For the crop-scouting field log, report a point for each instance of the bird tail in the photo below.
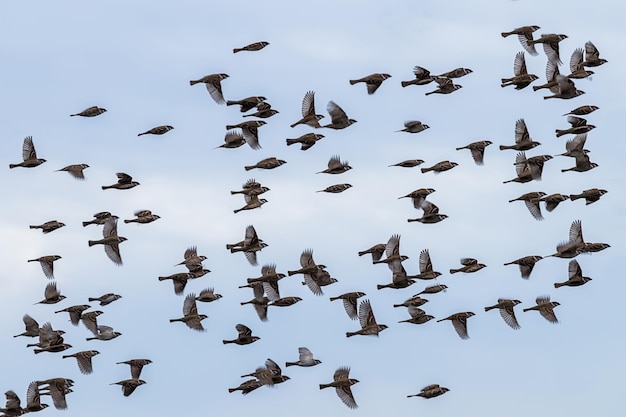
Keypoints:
(249, 167)
(322, 386)
(128, 221)
(231, 103)
(363, 253)
(426, 170)
(348, 334)
(558, 284)
(32, 260)
(505, 34)
(291, 141)
(12, 166)
(91, 243)
(160, 279)
(192, 82)
(92, 299)
(503, 147)
(412, 220)
(352, 82)
(380, 287)
(85, 224)
(232, 389)
(291, 364)
(33, 227)
(575, 196)
(489, 308)
(526, 309)
(454, 271)
(560, 133)
(104, 187)
(290, 273)
(227, 341)
(237, 50)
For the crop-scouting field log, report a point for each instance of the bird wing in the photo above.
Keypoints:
(243, 330)
(574, 269)
(189, 305)
(336, 113)
(308, 104)
(112, 250)
(521, 132)
(28, 149)
(519, 64)
(214, 87)
(508, 315)
(366, 314)
(460, 325)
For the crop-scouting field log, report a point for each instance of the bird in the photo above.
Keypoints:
(593, 247)
(91, 112)
(111, 241)
(247, 103)
(104, 333)
(430, 391)
(469, 265)
(143, 217)
(477, 150)
(418, 316)
(422, 77)
(523, 141)
(336, 166)
(342, 383)
(51, 294)
(84, 360)
(267, 163)
(208, 295)
(250, 245)
(308, 112)
(521, 78)
(213, 83)
(179, 280)
(339, 118)
(505, 306)
(256, 46)
(372, 81)
(270, 374)
(244, 336)
(250, 131)
(367, 321)
(524, 34)
(233, 139)
(129, 385)
(440, 167)
(305, 358)
(408, 163)
(592, 56)
(251, 187)
(350, 302)
(75, 170)
(445, 86)
(318, 279)
(459, 322)
(75, 312)
(191, 318)
(455, 73)
(376, 251)
(33, 398)
(259, 302)
(583, 164)
(578, 126)
(106, 299)
(99, 218)
(575, 276)
(247, 387)
(528, 169)
(550, 43)
(431, 214)
(577, 69)
(414, 301)
(532, 200)
(264, 111)
(136, 365)
(426, 267)
(158, 130)
(553, 200)
(591, 195)
(284, 301)
(335, 188)
(552, 70)
(569, 249)
(392, 251)
(307, 140)
(58, 388)
(31, 327)
(124, 182)
(526, 264)
(545, 308)
(29, 155)
(192, 260)
(575, 147)
(90, 320)
(50, 340)
(564, 88)
(47, 264)
(418, 197)
(49, 226)
(583, 110)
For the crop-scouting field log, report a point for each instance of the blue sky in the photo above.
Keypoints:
(136, 61)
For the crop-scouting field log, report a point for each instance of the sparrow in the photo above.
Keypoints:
(418, 316)
(339, 118)
(49, 226)
(259, 302)
(213, 83)
(575, 276)
(250, 132)
(29, 155)
(399, 277)
(191, 258)
(545, 308)
(552, 70)
(256, 46)
(247, 386)
(526, 264)
(47, 264)
(524, 34)
(307, 140)
(233, 139)
(111, 241)
(469, 265)
(99, 218)
(577, 69)
(179, 280)
(583, 164)
(426, 267)
(335, 189)
(414, 301)
(550, 43)
(143, 216)
(570, 248)
(477, 149)
(208, 295)
(593, 247)
(446, 86)
(576, 147)
(392, 251)
(244, 337)
(305, 358)
(136, 365)
(104, 333)
(284, 301)
(336, 166)
(409, 163)
(267, 163)
(31, 325)
(583, 110)
(532, 200)
(129, 385)
(342, 383)
(106, 299)
(90, 112)
(591, 195)
(247, 103)
(51, 295)
(431, 214)
(553, 200)
(308, 112)
(75, 312)
(414, 126)
(418, 197)
(318, 279)
(90, 320)
(372, 81)
(440, 167)
(455, 73)
(308, 264)
(528, 169)
(433, 289)
(564, 88)
(349, 303)
(523, 141)
(578, 126)
(521, 78)
(251, 245)
(124, 182)
(191, 318)
(592, 56)
(75, 171)
(367, 321)
(159, 130)
(58, 388)
(431, 391)
(270, 374)
(264, 111)
(506, 311)
(33, 398)
(376, 251)
(459, 321)
(422, 77)
(84, 360)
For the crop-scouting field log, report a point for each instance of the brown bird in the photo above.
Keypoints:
(129, 385)
(251, 187)
(339, 118)
(575, 276)
(414, 301)
(455, 73)
(33, 398)
(250, 131)
(136, 365)
(75, 171)
(414, 126)
(75, 312)
(308, 112)
(526, 264)
(244, 337)
(578, 126)
(440, 167)
(84, 360)
(263, 111)
(577, 70)
(367, 321)
(569, 249)
(431, 391)
(528, 169)
(372, 81)
(342, 383)
(524, 34)
(575, 147)
(318, 279)
(143, 216)
(422, 77)
(179, 280)
(552, 70)
(469, 265)
(392, 251)
(259, 302)
(591, 195)
(592, 56)
(477, 149)
(247, 103)
(256, 46)
(51, 294)
(305, 358)
(106, 299)
(48, 226)
(550, 43)
(213, 83)
(90, 320)
(111, 241)
(418, 197)
(232, 139)
(99, 218)
(553, 200)
(418, 316)
(593, 247)
(284, 301)
(523, 141)
(159, 130)
(267, 163)
(564, 88)
(252, 202)
(208, 295)
(124, 182)
(335, 188)
(307, 140)
(247, 387)
(532, 200)
(545, 307)
(505, 306)
(409, 163)
(583, 164)
(50, 340)
(250, 245)
(90, 112)
(104, 333)
(349, 303)
(521, 78)
(191, 258)
(191, 318)
(31, 325)
(459, 322)
(426, 267)
(583, 110)
(336, 166)
(29, 155)
(47, 264)
(446, 86)
(376, 251)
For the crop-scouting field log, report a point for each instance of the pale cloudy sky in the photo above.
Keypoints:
(136, 60)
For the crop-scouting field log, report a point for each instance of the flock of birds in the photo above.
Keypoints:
(265, 288)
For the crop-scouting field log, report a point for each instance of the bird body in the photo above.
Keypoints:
(91, 112)
(29, 155)
(372, 81)
(213, 83)
(256, 46)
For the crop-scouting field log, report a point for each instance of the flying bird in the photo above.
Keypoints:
(372, 81)
(29, 155)
(256, 46)
(213, 83)
(342, 383)
(91, 112)
(124, 182)
(111, 241)
(505, 306)
(524, 34)
(308, 112)
(521, 78)
(459, 322)
(545, 307)
(75, 170)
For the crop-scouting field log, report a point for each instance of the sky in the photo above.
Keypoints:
(136, 61)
